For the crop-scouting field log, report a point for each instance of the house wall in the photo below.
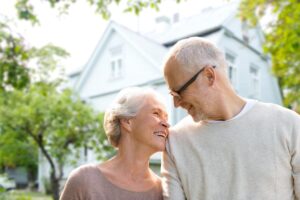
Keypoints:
(245, 58)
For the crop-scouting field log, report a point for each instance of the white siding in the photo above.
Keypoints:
(245, 57)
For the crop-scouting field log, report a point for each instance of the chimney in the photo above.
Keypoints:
(162, 23)
(175, 18)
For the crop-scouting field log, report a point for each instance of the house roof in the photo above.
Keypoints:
(209, 20)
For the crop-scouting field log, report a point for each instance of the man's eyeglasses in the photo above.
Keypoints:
(187, 84)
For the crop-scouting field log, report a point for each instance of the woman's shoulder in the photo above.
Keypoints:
(83, 172)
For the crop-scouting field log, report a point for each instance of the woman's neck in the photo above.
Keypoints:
(129, 173)
(134, 167)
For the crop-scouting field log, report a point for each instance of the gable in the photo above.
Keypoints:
(148, 54)
(135, 68)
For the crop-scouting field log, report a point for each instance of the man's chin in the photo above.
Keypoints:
(198, 117)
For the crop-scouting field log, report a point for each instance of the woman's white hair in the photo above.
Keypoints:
(126, 105)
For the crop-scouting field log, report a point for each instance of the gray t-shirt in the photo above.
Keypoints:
(89, 183)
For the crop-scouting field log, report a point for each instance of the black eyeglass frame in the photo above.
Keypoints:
(189, 82)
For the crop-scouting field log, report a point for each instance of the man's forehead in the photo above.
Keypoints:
(174, 72)
(172, 67)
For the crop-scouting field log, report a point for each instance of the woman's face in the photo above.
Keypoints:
(150, 127)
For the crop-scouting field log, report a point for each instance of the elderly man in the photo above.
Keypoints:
(228, 148)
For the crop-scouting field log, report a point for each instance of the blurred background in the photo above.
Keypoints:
(63, 61)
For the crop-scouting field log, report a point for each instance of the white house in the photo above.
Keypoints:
(125, 58)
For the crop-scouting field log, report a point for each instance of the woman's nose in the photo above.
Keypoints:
(165, 124)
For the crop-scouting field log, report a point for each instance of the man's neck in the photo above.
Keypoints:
(228, 107)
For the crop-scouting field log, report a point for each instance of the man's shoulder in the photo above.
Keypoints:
(276, 109)
(184, 126)
(276, 112)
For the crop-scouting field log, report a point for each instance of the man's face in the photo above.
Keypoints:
(194, 98)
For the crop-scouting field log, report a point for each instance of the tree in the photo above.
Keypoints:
(17, 151)
(282, 41)
(14, 72)
(22, 64)
(57, 123)
(36, 115)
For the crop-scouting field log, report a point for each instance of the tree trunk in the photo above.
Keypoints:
(54, 180)
(55, 185)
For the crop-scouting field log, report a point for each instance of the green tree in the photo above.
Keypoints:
(57, 123)
(22, 64)
(282, 41)
(17, 151)
(14, 71)
(36, 115)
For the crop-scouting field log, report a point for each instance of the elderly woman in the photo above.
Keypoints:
(135, 124)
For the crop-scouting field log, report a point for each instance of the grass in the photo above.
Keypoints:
(25, 195)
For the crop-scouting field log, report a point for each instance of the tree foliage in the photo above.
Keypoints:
(22, 64)
(57, 123)
(26, 11)
(16, 150)
(282, 41)
(14, 56)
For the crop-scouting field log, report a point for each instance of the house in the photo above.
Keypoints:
(124, 58)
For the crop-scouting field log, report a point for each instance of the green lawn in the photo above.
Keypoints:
(25, 195)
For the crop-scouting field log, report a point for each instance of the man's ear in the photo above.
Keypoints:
(126, 124)
(210, 75)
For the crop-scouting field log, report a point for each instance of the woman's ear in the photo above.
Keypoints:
(126, 124)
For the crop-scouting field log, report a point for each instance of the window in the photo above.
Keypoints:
(232, 70)
(254, 82)
(116, 68)
(116, 63)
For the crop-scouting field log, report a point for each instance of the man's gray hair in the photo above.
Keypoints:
(195, 52)
(126, 105)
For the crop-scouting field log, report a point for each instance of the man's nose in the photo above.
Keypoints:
(176, 101)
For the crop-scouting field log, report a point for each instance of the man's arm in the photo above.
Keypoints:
(296, 157)
(172, 187)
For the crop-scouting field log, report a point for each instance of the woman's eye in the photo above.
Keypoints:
(156, 113)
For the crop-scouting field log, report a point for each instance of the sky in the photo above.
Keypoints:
(79, 31)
